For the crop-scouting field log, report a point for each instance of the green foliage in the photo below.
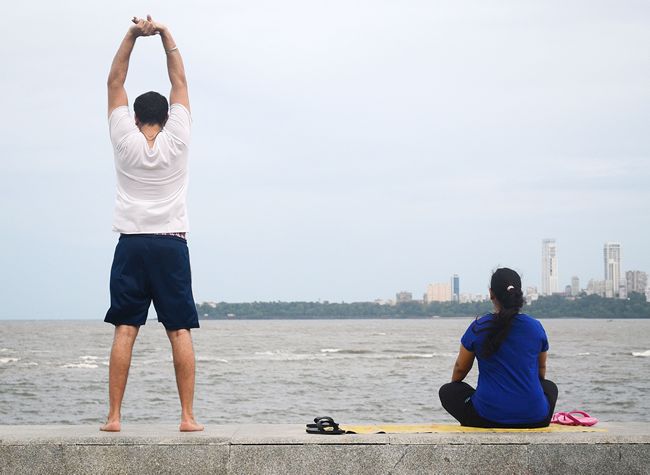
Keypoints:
(591, 306)
(316, 310)
(586, 306)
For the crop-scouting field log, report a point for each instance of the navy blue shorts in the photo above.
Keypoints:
(150, 267)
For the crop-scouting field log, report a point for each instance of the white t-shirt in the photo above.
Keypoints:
(151, 182)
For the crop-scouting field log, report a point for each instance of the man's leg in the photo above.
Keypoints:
(183, 352)
(118, 372)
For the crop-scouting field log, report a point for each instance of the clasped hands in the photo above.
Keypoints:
(146, 27)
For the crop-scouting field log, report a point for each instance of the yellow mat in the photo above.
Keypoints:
(435, 428)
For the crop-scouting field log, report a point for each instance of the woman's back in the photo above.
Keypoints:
(509, 390)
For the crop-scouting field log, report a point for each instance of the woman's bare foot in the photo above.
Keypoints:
(190, 425)
(111, 426)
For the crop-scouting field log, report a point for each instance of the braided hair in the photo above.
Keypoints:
(505, 287)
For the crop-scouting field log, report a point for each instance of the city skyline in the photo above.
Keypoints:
(615, 282)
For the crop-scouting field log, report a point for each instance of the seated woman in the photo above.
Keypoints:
(511, 351)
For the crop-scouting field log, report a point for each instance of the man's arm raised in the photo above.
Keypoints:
(117, 76)
(175, 68)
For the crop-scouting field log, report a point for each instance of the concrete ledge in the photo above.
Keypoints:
(287, 449)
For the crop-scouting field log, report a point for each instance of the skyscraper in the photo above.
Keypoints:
(637, 281)
(549, 267)
(403, 296)
(455, 288)
(612, 259)
(575, 285)
(438, 292)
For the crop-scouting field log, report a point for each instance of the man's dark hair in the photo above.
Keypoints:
(151, 108)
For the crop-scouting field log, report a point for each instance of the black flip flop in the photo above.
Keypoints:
(325, 419)
(324, 425)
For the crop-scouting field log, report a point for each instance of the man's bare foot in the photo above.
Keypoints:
(111, 426)
(190, 425)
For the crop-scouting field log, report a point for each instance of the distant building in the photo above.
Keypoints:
(609, 289)
(438, 292)
(455, 288)
(636, 281)
(467, 298)
(575, 286)
(612, 261)
(403, 296)
(568, 291)
(596, 287)
(531, 294)
(549, 267)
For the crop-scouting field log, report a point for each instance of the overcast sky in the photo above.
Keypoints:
(342, 150)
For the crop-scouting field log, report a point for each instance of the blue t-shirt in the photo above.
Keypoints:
(509, 390)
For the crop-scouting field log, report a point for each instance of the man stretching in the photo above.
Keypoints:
(151, 258)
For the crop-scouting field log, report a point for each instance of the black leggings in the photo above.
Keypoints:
(455, 399)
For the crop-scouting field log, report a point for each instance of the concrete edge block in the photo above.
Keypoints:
(146, 459)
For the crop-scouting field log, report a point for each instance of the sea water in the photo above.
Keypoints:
(290, 371)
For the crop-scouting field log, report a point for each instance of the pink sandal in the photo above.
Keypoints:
(574, 418)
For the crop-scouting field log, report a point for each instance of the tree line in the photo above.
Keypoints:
(584, 306)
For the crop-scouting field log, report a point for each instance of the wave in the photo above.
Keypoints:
(80, 365)
(354, 352)
(276, 355)
(8, 360)
(88, 357)
(281, 356)
(413, 356)
(641, 353)
(586, 353)
(137, 362)
(208, 359)
(338, 353)
(410, 356)
(294, 357)
(4, 350)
